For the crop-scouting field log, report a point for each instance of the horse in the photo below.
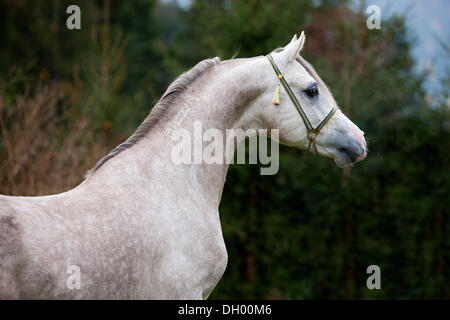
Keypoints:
(142, 227)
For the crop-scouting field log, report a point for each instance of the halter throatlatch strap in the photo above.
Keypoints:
(311, 132)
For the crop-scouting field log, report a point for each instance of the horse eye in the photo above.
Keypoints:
(312, 92)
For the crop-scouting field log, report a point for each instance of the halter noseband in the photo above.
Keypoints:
(311, 132)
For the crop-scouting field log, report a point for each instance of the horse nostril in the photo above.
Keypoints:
(351, 153)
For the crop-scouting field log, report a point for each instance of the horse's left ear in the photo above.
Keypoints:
(292, 50)
(301, 42)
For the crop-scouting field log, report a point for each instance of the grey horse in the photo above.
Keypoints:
(143, 227)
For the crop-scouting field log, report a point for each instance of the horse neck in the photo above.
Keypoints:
(218, 101)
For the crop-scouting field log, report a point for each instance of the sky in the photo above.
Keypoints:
(428, 20)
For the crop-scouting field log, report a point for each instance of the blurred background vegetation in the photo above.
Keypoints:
(309, 232)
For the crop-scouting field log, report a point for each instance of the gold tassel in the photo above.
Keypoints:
(276, 97)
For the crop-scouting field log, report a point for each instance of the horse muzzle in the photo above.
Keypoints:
(351, 149)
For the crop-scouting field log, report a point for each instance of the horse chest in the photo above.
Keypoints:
(193, 257)
(203, 244)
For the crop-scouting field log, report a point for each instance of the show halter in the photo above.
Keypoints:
(311, 132)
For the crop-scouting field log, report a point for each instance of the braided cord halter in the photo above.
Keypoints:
(311, 132)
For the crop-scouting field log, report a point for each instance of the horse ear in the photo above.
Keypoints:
(294, 38)
(292, 50)
(301, 41)
(299, 46)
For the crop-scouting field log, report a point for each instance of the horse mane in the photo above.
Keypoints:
(173, 92)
